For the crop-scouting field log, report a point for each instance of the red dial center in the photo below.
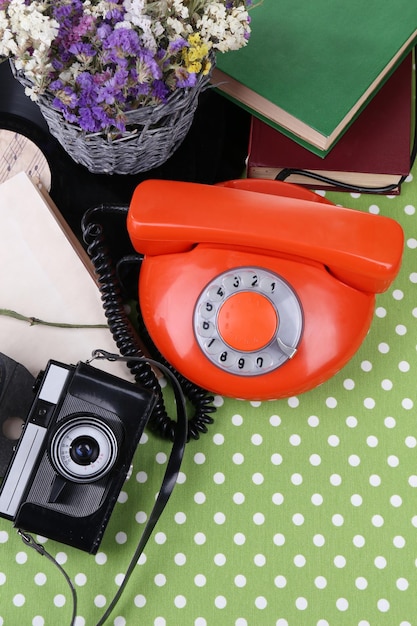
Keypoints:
(247, 321)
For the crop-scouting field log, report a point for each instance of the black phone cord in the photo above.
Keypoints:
(126, 339)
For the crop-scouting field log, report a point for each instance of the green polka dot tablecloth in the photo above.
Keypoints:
(297, 512)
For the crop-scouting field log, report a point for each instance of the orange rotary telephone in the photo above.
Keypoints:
(257, 289)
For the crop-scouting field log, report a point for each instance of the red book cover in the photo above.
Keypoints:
(374, 151)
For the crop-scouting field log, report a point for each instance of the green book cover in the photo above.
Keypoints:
(311, 66)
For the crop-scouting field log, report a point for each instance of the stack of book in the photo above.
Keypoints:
(311, 72)
(373, 154)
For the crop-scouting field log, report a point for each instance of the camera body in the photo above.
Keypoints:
(76, 448)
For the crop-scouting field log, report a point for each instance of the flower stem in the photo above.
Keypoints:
(33, 321)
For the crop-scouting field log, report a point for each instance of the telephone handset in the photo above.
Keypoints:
(257, 289)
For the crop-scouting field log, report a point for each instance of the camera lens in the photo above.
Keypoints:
(83, 448)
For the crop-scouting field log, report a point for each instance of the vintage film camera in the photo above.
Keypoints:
(81, 429)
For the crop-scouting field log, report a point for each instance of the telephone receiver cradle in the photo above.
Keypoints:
(257, 289)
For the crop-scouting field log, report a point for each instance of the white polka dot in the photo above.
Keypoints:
(383, 605)
(313, 421)
(335, 480)
(361, 583)
(317, 499)
(238, 498)
(256, 439)
(407, 404)
(80, 579)
(298, 519)
(239, 539)
(380, 311)
(319, 540)
(377, 521)
(293, 402)
(219, 478)
(19, 599)
(257, 478)
(199, 497)
(331, 403)
(160, 538)
(299, 560)
(380, 562)
(409, 209)
(259, 519)
(396, 501)
(220, 559)
(122, 497)
(237, 420)
(61, 557)
(40, 579)
(220, 602)
(320, 582)
(296, 479)
(369, 403)
(219, 518)
(199, 458)
(259, 560)
(240, 581)
(383, 348)
(401, 330)
(398, 542)
(180, 518)
(301, 604)
(402, 584)
(181, 479)
(342, 604)
(338, 520)
(295, 440)
(180, 601)
(397, 294)
(349, 384)
(315, 460)
(390, 422)
(404, 366)
(358, 541)
(279, 539)
(276, 459)
(333, 441)
(366, 366)
(238, 458)
(261, 603)
(200, 580)
(4, 536)
(21, 557)
(101, 558)
(275, 420)
(218, 439)
(351, 422)
(410, 442)
(374, 480)
(141, 477)
(372, 441)
(100, 601)
(356, 499)
(339, 561)
(180, 559)
(140, 601)
(200, 539)
(354, 460)
(280, 582)
(161, 458)
(393, 461)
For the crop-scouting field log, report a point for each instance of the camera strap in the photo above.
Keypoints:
(167, 486)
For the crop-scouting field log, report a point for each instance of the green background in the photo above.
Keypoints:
(287, 513)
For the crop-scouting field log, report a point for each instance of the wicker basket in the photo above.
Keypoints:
(153, 133)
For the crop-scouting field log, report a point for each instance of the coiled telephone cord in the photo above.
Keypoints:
(125, 337)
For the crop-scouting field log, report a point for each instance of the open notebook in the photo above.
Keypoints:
(46, 274)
